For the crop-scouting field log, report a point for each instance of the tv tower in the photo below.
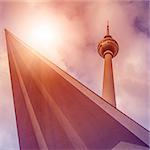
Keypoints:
(108, 49)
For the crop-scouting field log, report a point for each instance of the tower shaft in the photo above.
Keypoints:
(108, 92)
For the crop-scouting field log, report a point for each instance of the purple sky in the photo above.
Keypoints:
(82, 25)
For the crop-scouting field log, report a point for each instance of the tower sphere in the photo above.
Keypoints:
(108, 45)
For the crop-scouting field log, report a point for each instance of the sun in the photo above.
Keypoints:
(47, 36)
(44, 34)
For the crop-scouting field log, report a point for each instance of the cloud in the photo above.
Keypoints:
(84, 24)
(8, 136)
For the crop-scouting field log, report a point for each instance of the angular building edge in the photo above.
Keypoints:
(139, 131)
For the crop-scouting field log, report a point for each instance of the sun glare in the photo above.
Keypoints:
(47, 36)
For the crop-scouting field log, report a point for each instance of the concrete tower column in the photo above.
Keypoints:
(108, 92)
(108, 48)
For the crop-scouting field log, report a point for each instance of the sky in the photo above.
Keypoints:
(73, 30)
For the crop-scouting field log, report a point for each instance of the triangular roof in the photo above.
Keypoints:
(55, 111)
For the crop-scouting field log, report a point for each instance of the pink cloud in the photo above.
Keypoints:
(84, 23)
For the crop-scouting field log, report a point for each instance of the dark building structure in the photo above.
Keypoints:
(56, 112)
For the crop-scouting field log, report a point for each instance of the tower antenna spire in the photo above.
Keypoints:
(107, 32)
